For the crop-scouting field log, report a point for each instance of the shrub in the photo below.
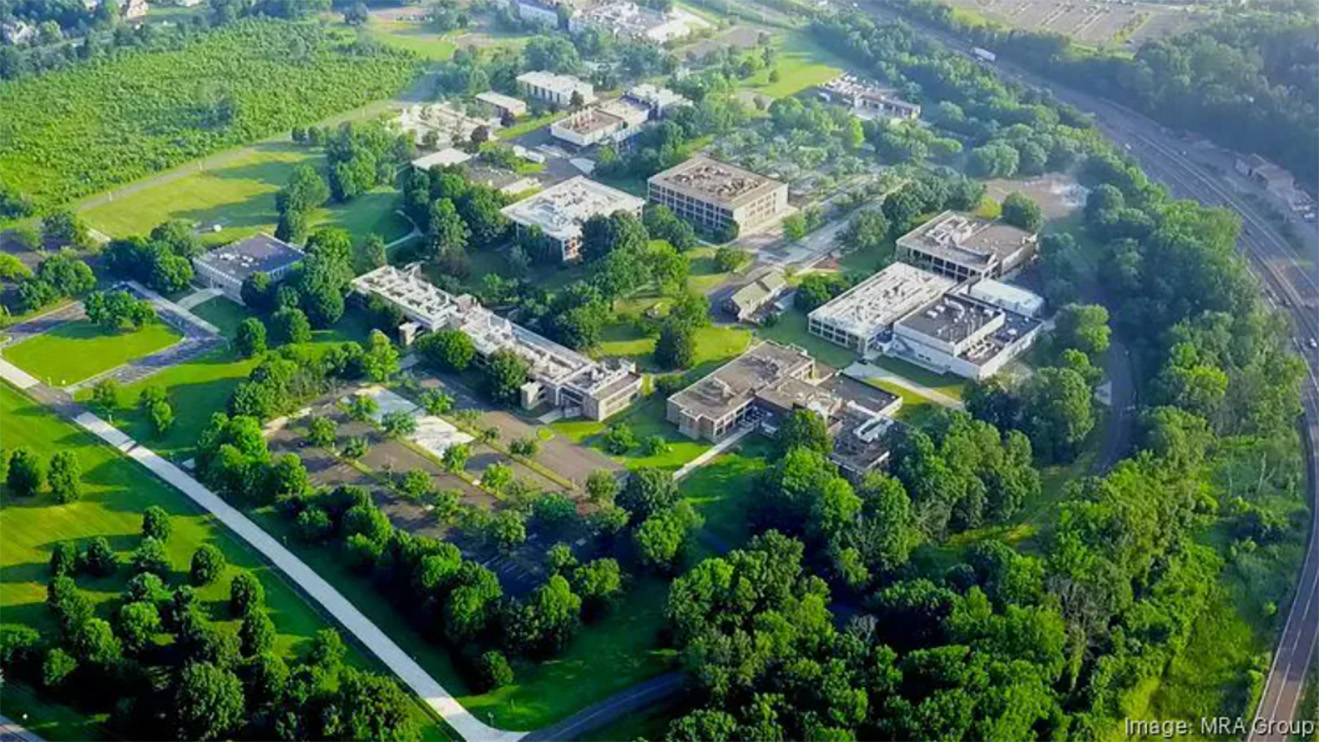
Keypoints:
(207, 564)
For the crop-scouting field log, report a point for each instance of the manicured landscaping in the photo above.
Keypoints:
(791, 328)
(224, 313)
(414, 37)
(239, 197)
(646, 418)
(721, 491)
(801, 64)
(79, 350)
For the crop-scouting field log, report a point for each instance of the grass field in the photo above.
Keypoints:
(79, 350)
(115, 492)
(239, 196)
(801, 64)
(413, 37)
(721, 490)
(646, 418)
(791, 328)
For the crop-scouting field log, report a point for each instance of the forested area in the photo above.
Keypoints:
(1061, 637)
(108, 121)
(1246, 80)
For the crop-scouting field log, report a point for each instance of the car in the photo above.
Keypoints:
(1314, 343)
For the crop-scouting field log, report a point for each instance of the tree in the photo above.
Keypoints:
(730, 258)
(136, 624)
(27, 472)
(496, 477)
(526, 446)
(447, 232)
(804, 429)
(398, 424)
(290, 325)
(505, 374)
(455, 457)
(619, 439)
(322, 431)
(647, 490)
(601, 486)
(868, 230)
(207, 564)
(156, 523)
(817, 289)
(600, 583)
(374, 707)
(1020, 211)
(63, 559)
(676, 346)
(106, 394)
(64, 227)
(794, 226)
(655, 445)
(449, 350)
(99, 559)
(356, 14)
(115, 310)
(162, 416)
(256, 634)
(246, 595)
(56, 667)
(362, 407)
(65, 476)
(208, 702)
(1056, 412)
(493, 671)
(1083, 327)
(661, 537)
(93, 641)
(251, 338)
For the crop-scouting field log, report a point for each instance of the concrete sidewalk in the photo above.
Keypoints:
(366, 632)
(713, 451)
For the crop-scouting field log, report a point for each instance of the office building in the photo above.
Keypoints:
(555, 89)
(862, 317)
(963, 246)
(227, 267)
(505, 105)
(560, 210)
(868, 100)
(714, 195)
(715, 406)
(609, 121)
(960, 335)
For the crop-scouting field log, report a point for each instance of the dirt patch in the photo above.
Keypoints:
(1057, 194)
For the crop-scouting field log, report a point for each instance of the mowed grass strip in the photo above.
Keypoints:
(80, 350)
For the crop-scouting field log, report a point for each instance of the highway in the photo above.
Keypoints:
(1290, 283)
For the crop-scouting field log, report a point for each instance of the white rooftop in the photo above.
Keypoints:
(560, 210)
(565, 85)
(655, 96)
(1007, 296)
(446, 156)
(879, 301)
(501, 100)
(419, 299)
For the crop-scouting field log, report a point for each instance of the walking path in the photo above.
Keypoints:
(633, 699)
(200, 296)
(713, 451)
(865, 371)
(12, 731)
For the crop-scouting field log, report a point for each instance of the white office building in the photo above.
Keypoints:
(555, 89)
(862, 317)
(560, 210)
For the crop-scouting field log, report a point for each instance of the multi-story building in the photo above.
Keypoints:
(715, 195)
(964, 246)
(862, 317)
(560, 377)
(609, 121)
(227, 267)
(960, 335)
(659, 100)
(715, 406)
(560, 210)
(868, 100)
(505, 105)
(555, 89)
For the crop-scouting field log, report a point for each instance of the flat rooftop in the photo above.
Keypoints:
(654, 95)
(967, 240)
(501, 100)
(588, 121)
(954, 318)
(852, 85)
(737, 382)
(877, 302)
(409, 291)
(259, 253)
(715, 182)
(442, 158)
(560, 210)
(564, 84)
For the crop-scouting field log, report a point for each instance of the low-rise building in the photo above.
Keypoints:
(964, 246)
(442, 158)
(714, 195)
(629, 20)
(443, 124)
(555, 89)
(1007, 296)
(227, 267)
(609, 121)
(560, 210)
(746, 302)
(507, 182)
(560, 377)
(542, 12)
(660, 101)
(861, 439)
(715, 406)
(862, 317)
(960, 335)
(505, 105)
(868, 100)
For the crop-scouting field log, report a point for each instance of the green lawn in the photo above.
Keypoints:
(801, 64)
(646, 418)
(413, 37)
(946, 383)
(239, 196)
(714, 344)
(722, 489)
(529, 124)
(607, 656)
(224, 314)
(791, 329)
(78, 350)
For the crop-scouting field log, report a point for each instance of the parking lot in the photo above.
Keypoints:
(1092, 23)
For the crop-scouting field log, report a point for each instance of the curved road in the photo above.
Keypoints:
(1279, 268)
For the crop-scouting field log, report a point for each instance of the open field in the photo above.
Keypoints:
(115, 492)
(801, 64)
(239, 197)
(79, 350)
(412, 36)
(791, 328)
(646, 418)
(721, 490)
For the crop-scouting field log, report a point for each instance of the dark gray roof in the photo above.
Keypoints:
(260, 253)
